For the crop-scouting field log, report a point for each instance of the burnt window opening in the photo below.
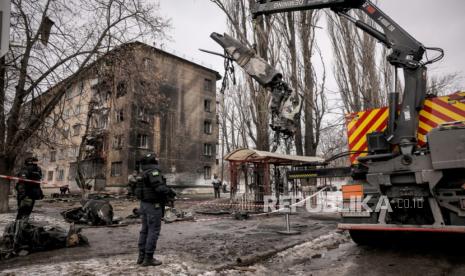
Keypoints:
(53, 156)
(217, 161)
(76, 130)
(142, 141)
(207, 172)
(208, 85)
(118, 141)
(120, 115)
(121, 89)
(207, 106)
(116, 168)
(61, 175)
(207, 127)
(50, 176)
(207, 149)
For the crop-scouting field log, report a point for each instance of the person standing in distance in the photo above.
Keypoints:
(216, 186)
(153, 193)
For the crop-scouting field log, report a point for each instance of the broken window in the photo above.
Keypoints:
(116, 168)
(76, 130)
(121, 89)
(119, 115)
(147, 63)
(77, 109)
(207, 127)
(143, 114)
(208, 85)
(61, 175)
(102, 121)
(69, 93)
(118, 141)
(74, 151)
(65, 132)
(66, 114)
(142, 141)
(50, 176)
(207, 105)
(208, 149)
(207, 172)
(62, 154)
(53, 156)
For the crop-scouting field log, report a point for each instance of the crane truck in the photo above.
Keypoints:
(408, 157)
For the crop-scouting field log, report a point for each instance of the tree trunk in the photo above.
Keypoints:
(5, 169)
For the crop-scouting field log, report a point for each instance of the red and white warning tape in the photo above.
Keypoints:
(23, 179)
(300, 203)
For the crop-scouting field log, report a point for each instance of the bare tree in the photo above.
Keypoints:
(360, 70)
(50, 41)
(237, 12)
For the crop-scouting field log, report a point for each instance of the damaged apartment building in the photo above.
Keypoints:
(131, 101)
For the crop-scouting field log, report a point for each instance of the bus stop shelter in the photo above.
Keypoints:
(261, 161)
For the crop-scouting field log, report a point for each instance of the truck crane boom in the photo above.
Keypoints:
(406, 53)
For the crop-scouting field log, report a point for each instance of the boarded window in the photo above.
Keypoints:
(142, 141)
(116, 168)
(208, 85)
(207, 172)
(208, 149)
(50, 176)
(207, 127)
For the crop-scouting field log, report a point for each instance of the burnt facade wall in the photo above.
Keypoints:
(151, 101)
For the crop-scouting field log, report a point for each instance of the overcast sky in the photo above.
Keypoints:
(432, 22)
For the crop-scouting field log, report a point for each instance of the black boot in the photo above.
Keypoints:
(140, 259)
(150, 261)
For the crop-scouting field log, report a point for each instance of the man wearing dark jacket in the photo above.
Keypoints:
(27, 192)
(153, 193)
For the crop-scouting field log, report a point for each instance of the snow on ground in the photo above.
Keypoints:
(115, 265)
(173, 265)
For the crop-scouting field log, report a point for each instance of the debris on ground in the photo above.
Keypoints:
(93, 212)
(241, 215)
(172, 215)
(22, 238)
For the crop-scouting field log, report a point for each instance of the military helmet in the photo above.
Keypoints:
(31, 160)
(149, 158)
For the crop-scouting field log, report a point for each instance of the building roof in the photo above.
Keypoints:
(218, 76)
(257, 156)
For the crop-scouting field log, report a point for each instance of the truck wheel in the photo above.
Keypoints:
(362, 237)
